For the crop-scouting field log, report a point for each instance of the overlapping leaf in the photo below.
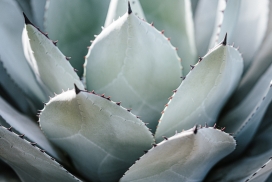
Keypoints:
(22, 124)
(102, 138)
(247, 30)
(176, 20)
(74, 24)
(252, 163)
(119, 7)
(141, 71)
(244, 120)
(47, 62)
(204, 91)
(205, 18)
(187, 156)
(29, 162)
(260, 63)
(12, 55)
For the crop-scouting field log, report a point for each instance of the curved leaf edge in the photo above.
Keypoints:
(28, 22)
(260, 170)
(108, 98)
(219, 22)
(151, 24)
(22, 136)
(254, 111)
(194, 130)
(223, 43)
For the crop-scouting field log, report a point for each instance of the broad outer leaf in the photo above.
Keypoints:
(204, 91)
(27, 127)
(187, 156)
(74, 24)
(244, 120)
(176, 19)
(205, 18)
(29, 162)
(141, 71)
(119, 7)
(48, 63)
(252, 160)
(248, 27)
(102, 138)
(12, 55)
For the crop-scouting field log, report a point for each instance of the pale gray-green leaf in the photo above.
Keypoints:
(244, 108)
(26, 126)
(141, 71)
(248, 28)
(177, 21)
(38, 9)
(25, 6)
(11, 52)
(261, 174)
(47, 62)
(74, 24)
(221, 6)
(205, 18)
(260, 64)
(203, 93)
(228, 22)
(195, 4)
(253, 159)
(187, 156)
(29, 162)
(102, 138)
(243, 121)
(119, 7)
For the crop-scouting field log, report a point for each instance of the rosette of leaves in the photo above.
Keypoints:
(142, 106)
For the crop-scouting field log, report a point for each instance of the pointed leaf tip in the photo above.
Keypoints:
(129, 8)
(224, 42)
(77, 90)
(27, 21)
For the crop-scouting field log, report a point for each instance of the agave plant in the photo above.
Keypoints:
(182, 118)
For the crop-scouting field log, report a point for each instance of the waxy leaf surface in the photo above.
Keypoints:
(12, 55)
(102, 138)
(134, 63)
(200, 97)
(252, 164)
(24, 125)
(29, 162)
(119, 7)
(47, 62)
(176, 20)
(187, 156)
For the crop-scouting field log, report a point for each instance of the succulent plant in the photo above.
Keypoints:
(142, 106)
